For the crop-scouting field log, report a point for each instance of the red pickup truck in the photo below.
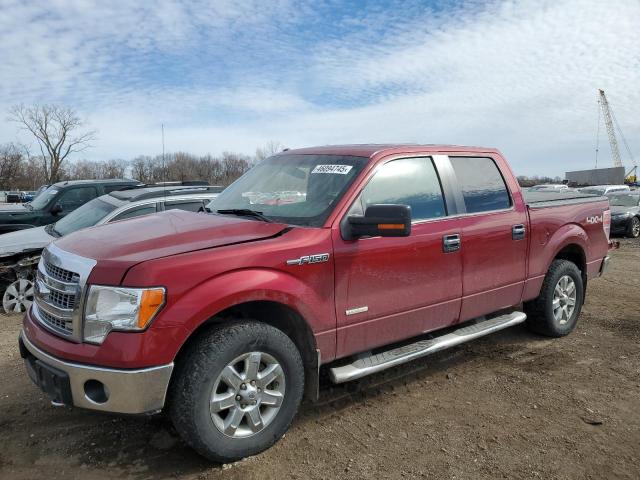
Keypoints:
(350, 259)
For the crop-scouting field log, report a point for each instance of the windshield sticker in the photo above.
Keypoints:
(337, 169)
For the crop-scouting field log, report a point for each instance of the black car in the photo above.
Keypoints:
(57, 201)
(625, 214)
(13, 197)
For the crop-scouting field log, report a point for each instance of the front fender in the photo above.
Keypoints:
(187, 312)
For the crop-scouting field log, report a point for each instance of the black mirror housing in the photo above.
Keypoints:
(381, 221)
(56, 209)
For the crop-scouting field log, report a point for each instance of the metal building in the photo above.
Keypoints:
(596, 176)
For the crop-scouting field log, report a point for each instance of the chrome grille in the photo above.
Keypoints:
(59, 289)
(60, 273)
(60, 325)
(62, 300)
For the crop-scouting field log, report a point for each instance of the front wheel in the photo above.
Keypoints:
(555, 312)
(237, 390)
(633, 228)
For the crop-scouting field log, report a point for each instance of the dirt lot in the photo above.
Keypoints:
(513, 405)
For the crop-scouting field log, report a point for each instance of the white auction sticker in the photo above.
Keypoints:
(338, 169)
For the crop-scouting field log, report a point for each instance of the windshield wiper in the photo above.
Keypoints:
(244, 212)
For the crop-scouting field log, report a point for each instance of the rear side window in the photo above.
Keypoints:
(482, 185)
(407, 181)
(135, 212)
(113, 188)
(188, 205)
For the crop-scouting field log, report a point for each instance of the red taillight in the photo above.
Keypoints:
(606, 222)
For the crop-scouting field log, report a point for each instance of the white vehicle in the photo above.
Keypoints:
(20, 250)
(549, 187)
(605, 189)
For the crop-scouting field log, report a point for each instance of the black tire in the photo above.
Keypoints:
(633, 228)
(540, 318)
(195, 376)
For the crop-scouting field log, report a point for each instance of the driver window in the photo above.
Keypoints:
(76, 197)
(407, 181)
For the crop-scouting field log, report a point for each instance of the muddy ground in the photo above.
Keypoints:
(512, 405)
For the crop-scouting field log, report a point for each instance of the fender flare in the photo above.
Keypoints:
(243, 286)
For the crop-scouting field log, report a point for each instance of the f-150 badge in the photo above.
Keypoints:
(317, 258)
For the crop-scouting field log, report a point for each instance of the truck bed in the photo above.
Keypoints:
(556, 199)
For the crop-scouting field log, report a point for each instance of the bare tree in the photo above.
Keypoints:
(58, 131)
(268, 149)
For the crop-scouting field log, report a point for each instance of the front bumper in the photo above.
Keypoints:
(97, 388)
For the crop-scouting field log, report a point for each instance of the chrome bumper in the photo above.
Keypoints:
(106, 389)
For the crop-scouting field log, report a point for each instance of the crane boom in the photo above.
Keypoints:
(608, 121)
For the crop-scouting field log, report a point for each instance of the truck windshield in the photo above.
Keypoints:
(294, 189)
(86, 216)
(44, 198)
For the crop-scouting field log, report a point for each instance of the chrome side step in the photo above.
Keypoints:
(381, 361)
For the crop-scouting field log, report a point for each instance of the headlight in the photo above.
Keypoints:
(621, 215)
(119, 308)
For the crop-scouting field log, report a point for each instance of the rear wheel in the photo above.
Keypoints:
(555, 312)
(237, 390)
(633, 228)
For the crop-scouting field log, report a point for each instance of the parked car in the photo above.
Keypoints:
(625, 214)
(55, 202)
(27, 196)
(12, 197)
(227, 319)
(547, 187)
(20, 250)
(604, 189)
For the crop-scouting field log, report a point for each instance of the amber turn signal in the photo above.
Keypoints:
(390, 226)
(150, 303)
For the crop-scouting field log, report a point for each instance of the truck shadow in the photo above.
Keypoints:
(150, 447)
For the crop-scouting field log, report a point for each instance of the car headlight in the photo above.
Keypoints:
(119, 309)
(621, 215)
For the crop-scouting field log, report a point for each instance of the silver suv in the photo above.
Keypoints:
(20, 251)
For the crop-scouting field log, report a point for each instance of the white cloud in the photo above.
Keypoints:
(518, 75)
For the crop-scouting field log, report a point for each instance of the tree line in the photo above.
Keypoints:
(20, 171)
(59, 133)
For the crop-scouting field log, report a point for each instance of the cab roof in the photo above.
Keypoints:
(134, 194)
(109, 181)
(371, 149)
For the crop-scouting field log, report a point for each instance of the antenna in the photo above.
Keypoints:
(164, 168)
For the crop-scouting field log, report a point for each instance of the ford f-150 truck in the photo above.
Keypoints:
(350, 259)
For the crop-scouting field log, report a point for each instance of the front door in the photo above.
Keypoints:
(389, 289)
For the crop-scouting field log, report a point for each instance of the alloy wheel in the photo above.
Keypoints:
(247, 395)
(564, 299)
(18, 296)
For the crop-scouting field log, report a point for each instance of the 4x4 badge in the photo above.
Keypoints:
(317, 258)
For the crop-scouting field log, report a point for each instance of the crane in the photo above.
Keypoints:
(611, 124)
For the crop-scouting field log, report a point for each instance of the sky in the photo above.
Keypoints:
(232, 75)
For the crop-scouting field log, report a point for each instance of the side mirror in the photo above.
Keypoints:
(381, 221)
(56, 209)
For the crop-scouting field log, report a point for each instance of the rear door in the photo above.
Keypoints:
(389, 289)
(494, 237)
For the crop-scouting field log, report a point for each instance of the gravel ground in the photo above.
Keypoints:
(512, 405)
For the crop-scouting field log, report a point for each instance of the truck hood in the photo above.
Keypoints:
(13, 208)
(24, 240)
(120, 245)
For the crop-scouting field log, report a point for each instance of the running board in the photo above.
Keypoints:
(381, 361)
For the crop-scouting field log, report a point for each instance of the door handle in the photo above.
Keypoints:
(451, 243)
(518, 232)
